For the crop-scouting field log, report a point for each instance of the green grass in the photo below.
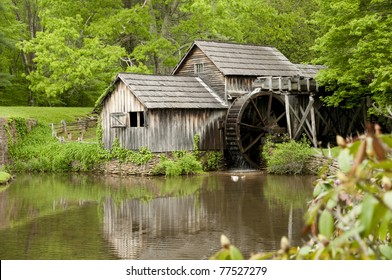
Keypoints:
(46, 115)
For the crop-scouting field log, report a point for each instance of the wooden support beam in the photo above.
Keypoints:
(313, 120)
(287, 107)
(300, 128)
(327, 125)
(354, 118)
(308, 84)
(308, 125)
(304, 117)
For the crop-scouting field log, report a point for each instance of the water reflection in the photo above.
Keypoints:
(87, 217)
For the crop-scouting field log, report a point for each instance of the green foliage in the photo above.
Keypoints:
(254, 22)
(69, 51)
(38, 151)
(196, 143)
(288, 157)
(228, 251)
(4, 177)
(182, 163)
(355, 46)
(71, 66)
(13, 87)
(350, 216)
(19, 125)
(99, 133)
(212, 161)
(123, 155)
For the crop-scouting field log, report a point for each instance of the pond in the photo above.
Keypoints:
(182, 218)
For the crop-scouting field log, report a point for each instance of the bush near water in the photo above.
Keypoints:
(4, 177)
(288, 157)
(350, 216)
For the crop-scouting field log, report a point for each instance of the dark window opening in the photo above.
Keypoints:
(141, 119)
(136, 119)
(199, 68)
(133, 119)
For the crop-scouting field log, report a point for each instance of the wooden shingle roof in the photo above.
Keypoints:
(309, 71)
(245, 60)
(171, 91)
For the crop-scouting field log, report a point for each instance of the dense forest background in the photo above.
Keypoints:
(66, 53)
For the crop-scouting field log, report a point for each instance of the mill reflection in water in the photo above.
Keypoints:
(254, 211)
(92, 217)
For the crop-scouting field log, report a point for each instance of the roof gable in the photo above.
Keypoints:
(244, 60)
(171, 91)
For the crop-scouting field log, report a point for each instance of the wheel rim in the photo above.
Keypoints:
(258, 115)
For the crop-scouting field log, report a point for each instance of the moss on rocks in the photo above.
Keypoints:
(4, 177)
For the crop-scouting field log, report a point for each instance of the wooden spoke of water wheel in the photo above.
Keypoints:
(250, 119)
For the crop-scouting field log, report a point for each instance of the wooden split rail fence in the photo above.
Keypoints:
(73, 131)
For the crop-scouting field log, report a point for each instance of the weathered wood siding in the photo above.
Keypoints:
(211, 75)
(173, 130)
(165, 129)
(239, 85)
(121, 100)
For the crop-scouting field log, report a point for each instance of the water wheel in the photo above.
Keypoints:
(249, 120)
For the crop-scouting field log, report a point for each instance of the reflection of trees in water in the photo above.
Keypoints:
(168, 227)
(288, 191)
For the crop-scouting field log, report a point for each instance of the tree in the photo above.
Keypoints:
(174, 25)
(13, 63)
(73, 55)
(69, 51)
(355, 45)
(302, 31)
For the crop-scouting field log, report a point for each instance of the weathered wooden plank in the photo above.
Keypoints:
(313, 120)
(304, 117)
(298, 130)
(288, 118)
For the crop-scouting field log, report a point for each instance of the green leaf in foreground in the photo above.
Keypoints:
(326, 224)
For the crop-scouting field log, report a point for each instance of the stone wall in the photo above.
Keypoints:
(115, 167)
(3, 142)
(4, 159)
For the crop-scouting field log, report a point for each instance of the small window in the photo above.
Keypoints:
(199, 68)
(141, 119)
(133, 119)
(118, 120)
(136, 119)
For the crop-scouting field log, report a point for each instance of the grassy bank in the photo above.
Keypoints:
(45, 115)
(39, 151)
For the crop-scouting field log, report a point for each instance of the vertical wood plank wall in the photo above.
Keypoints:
(165, 129)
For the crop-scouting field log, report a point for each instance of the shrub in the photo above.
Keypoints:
(38, 151)
(350, 216)
(123, 155)
(212, 161)
(182, 163)
(4, 177)
(287, 157)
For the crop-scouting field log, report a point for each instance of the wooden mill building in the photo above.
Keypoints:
(163, 113)
(231, 95)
